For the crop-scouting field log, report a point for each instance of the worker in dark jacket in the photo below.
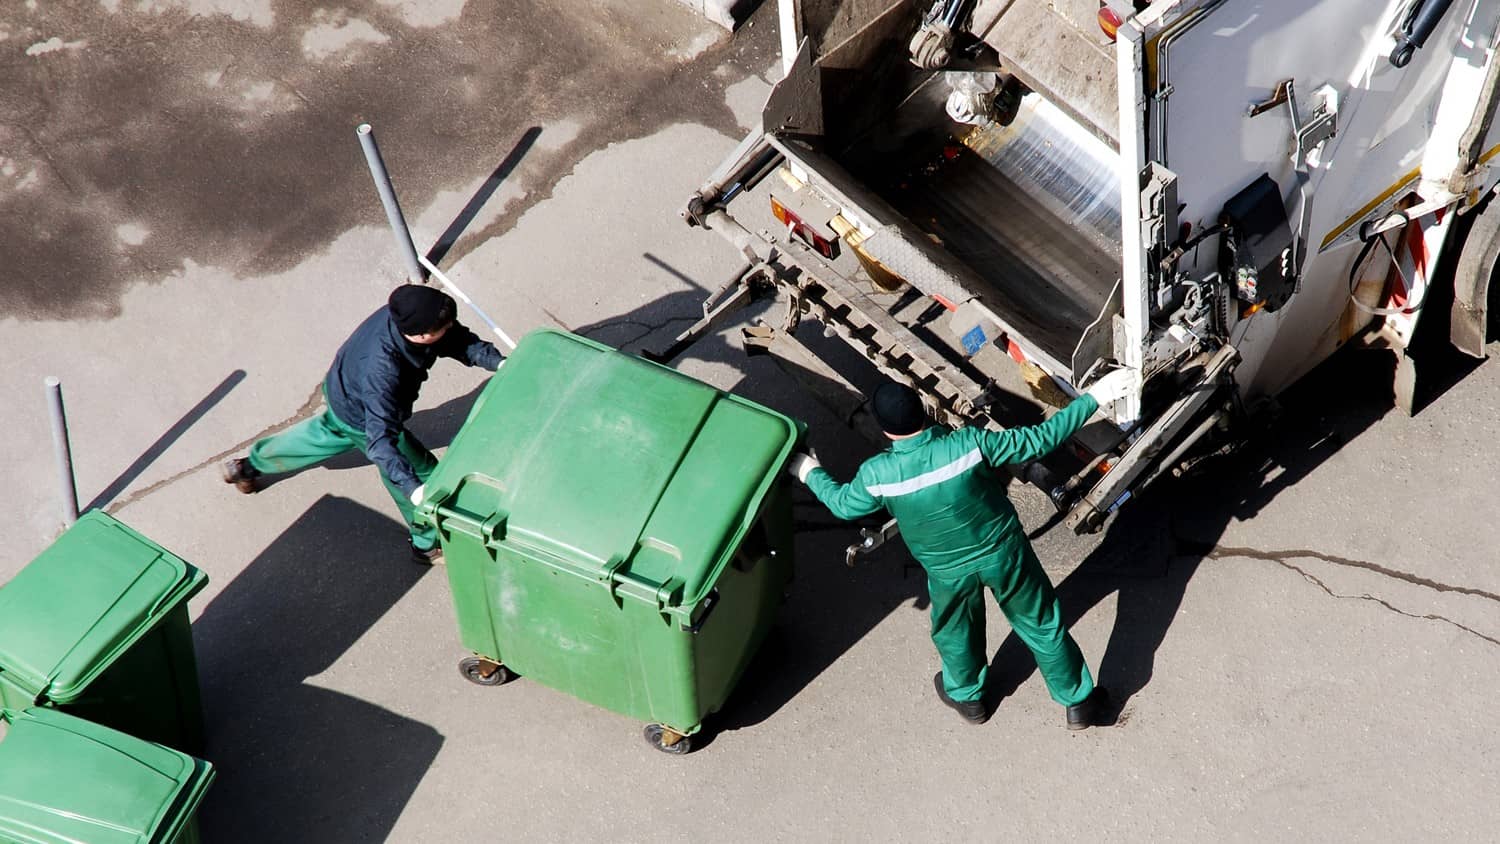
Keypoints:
(943, 489)
(370, 390)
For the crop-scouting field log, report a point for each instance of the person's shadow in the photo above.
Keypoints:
(1149, 554)
(297, 762)
(1155, 544)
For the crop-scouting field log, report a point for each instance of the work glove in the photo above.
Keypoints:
(801, 465)
(1112, 386)
(416, 495)
(970, 108)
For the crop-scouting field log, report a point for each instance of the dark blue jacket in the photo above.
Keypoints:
(376, 376)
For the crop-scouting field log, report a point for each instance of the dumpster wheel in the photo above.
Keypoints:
(668, 740)
(484, 672)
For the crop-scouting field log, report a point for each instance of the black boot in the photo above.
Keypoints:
(1090, 712)
(972, 710)
(430, 557)
(240, 473)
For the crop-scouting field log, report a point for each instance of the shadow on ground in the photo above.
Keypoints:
(1154, 545)
(1148, 555)
(297, 762)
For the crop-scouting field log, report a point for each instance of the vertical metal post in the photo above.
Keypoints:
(408, 250)
(64, 451)
(789, 20)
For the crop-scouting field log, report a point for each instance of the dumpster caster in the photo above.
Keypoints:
(668, 740)
(484, 672)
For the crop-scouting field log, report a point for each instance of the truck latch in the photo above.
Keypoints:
(869, 540)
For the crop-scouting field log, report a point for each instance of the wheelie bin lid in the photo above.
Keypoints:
(625, 470)
(82, 602)
(64, 780)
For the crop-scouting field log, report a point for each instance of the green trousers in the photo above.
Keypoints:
(320, 437)
(1027, 598)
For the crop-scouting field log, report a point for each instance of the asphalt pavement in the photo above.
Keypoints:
(1303, 638)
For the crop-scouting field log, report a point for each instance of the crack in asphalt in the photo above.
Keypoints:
(301, 413)
(1368, 597)
(646, 328)
(1220, 551)
(47, 156)
(293, 88)
(1283, 559)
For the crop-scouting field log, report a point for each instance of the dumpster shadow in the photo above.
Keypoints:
(1155, 544)
(831, 608)
(297, 762)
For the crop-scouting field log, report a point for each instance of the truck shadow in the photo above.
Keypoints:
(1156, 543)
(1147, 557)
(297, 762)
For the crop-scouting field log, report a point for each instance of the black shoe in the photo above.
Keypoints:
(431, 557)
(240, 473)
(1090, 712)
(972, 710)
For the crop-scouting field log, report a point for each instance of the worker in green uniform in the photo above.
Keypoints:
(370, 390)
(943, 488)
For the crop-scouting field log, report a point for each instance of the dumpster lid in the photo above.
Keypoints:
(612, 463)
(84, 600)
(64, 780)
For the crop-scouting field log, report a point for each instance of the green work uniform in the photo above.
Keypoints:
(320, 437)
(943, 489)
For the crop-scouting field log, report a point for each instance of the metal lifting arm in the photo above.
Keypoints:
(1420, 23)
(932, 46)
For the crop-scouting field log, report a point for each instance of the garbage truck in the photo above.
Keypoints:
(997, 201)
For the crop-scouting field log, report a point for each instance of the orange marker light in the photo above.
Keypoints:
(822, 245)
(1109, 21)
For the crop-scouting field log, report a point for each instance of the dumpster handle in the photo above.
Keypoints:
(709, 602)
(607, 573)
(495, 524)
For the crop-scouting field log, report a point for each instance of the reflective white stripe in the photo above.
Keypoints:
(927, 479)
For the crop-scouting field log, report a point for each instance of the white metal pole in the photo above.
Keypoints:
(464, 297)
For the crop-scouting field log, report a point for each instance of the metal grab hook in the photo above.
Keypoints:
(1418, 27)
(869, 540)
(932, 47)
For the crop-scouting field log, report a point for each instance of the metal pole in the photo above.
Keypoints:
(454, 289)
(64, 452)
(789, 21)
(393, 213)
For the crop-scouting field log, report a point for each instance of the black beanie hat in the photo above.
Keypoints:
(418, 309)
(898, 409)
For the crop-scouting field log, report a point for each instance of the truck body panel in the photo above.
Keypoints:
(1259, 176)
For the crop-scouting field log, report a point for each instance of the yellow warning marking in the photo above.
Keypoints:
(1386, 195)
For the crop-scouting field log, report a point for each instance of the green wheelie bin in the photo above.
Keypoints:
(64, 780)
(97, 625)
(615, 530)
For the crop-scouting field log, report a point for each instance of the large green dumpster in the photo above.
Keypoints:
(97, 625)
(616, 530)
(64, 780)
